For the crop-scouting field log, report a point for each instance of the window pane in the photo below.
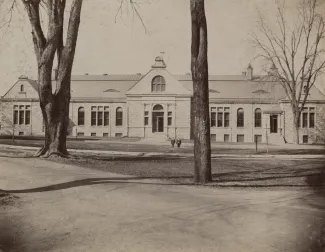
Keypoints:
(227, 119)
(170, 113)
(27, 117)
(93, 108)
(106, 118)
(106, 109)
(213, 109)
(226, 138)
(240, 138)
(81, 116)
(146, 121)
(21, 107)
(146, 113)
(100, 118)
(258, 118)
(311, 120)
(220, 109)
(304, 120)
(219, 119)
(27, 106)
(240, 118)
(213, 119)
(169, 121)
(15, 117)
(119, 118)
(311, 109)
(93, 118)
(305, 139)
(21, 117)
(227, 109)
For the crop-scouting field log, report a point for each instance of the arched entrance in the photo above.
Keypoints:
(157, 119)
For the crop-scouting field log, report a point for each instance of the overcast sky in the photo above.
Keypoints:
(124, 47)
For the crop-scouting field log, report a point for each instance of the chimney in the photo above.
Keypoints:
(249, 72)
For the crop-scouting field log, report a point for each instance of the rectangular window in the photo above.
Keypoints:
(213, 137)
(81, 134)
(146, 118)
(21, 117)
(240, 138)
(219, 119)
(106, 118)
(311, 117)
(118, 134)
(226, 138)
(93, 134)
(305, 139)
(93, 118)
(16, 117)
(213, 117)
(27, 117)
(227, 119)
(304, 120)
(100, 118)
(170, 118)
(105, 134)
(21, 133)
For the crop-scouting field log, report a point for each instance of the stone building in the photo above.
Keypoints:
(243, 108)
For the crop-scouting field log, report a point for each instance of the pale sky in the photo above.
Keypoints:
(125, 48)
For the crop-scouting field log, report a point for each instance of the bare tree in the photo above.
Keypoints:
(200, 75)
(54, 105)
(295, 52)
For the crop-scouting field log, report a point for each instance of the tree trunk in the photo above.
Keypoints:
(55, 111)
(199, 68)
(296, 118)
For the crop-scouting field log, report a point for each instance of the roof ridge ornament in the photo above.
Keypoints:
(159, 63)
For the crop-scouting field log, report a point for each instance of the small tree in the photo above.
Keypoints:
(200, 75)
(295, 52)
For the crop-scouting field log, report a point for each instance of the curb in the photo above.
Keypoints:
(152, 154)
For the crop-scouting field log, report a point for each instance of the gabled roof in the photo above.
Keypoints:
(112, 87)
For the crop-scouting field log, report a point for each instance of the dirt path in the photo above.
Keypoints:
(67, 208)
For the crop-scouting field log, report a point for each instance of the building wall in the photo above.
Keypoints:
(7, 121)
(316, 134)
(87, 129)
(249, 130)
(179, 108)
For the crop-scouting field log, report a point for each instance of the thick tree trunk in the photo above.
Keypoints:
(199, 68)
(55, 110)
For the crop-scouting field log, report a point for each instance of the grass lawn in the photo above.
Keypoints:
(129, 146)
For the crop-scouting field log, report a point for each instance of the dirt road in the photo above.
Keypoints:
(68, 208)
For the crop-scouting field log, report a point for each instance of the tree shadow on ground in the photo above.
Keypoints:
(316, 240)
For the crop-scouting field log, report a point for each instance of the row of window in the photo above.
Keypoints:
(21, 114)
(240, 138)
(81, 134)
(100, 116)
(220, 117)
(307, 118)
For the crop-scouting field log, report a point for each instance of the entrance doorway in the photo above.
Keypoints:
(274, 123)
(157, 119)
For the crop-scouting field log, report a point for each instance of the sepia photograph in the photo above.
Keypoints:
(162, 126)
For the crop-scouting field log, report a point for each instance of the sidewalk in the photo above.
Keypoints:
(177, 154)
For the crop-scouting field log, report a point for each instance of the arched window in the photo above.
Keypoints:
(258, 118)
(240, 117)
(119, 116)
(81, 116)
(158, 84)
(21, 88)
(158, 107)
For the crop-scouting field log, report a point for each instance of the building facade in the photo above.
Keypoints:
(243, 108)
